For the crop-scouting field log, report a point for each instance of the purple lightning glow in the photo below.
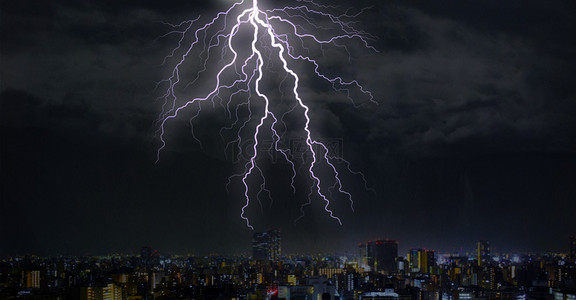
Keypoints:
(277, 39)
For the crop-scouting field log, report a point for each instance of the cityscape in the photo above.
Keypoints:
(377, 271)
(293, 149)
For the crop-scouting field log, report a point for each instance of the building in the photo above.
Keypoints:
(108, 292)
(420, 260)
(33, 279)
(363, 253)
(483, 253)
(266, 245)
(379, 255)
(385, 253)
(366, 252)
(573, 248)
(148, 257)
(388, 294)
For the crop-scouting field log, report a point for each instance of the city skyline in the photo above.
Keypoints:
(257, 252)
(473, 137)
(376, 273)
(267, 245)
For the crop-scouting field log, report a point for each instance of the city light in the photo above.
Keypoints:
(275, 275)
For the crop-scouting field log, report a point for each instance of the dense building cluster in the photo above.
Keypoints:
(377, 272)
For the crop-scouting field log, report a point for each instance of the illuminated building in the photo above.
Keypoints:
(431, 258)
(388, 294)
(370, 254)
(266, 245)
(483, 253)
(363, 252)
(420, 260)
(366, 252)
(108, 292)
(330, 272)
(33, 279)
(414, 260)
(291, 279)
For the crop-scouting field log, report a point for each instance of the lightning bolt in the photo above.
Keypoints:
(251, 43)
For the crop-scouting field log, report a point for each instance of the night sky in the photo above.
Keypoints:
(474, 136)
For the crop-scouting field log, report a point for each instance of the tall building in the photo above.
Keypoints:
(385, 253)
(483, 253)
(379, 255)
(108, 292)
(413, 259)
(366, 252)
(430, 259)
(420, 260)
(146, 255)
(266, 245)
(573, 248)
(370, 254)
(362, 252)
(33, 279)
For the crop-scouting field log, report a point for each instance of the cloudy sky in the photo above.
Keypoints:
(473, 136)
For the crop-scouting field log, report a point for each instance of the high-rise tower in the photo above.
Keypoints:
(266, 245)
(420, 260)
(573, 248)
(483, 253)
(385, 253)
(380, 255)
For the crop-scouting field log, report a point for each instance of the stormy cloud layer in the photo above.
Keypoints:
(474, 135)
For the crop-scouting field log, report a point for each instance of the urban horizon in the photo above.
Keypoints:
(378, 271)
(351, 251)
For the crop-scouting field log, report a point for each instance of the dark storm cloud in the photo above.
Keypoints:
(473, 134)
(23, 110)
(460, 84)
(79, 56)
(462, 97)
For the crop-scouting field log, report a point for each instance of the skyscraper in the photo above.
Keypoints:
(266, 245)
(379, 255)
(483, 253)
(385, 253)
(430, 259)
(420, 260)
(362, 251)
(146, 256)
(573, 248)
(33, 279)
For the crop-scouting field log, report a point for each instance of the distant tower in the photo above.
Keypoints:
(483, 253)
(379, 255)
(266, 245)
(385, 253)
(363, 255)
(366, 252)
(573, 248)
(33, 279)
(146, 256)
(430, 258)
(420, 260)
(414, 258)
(275, 245)
(370, 255)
